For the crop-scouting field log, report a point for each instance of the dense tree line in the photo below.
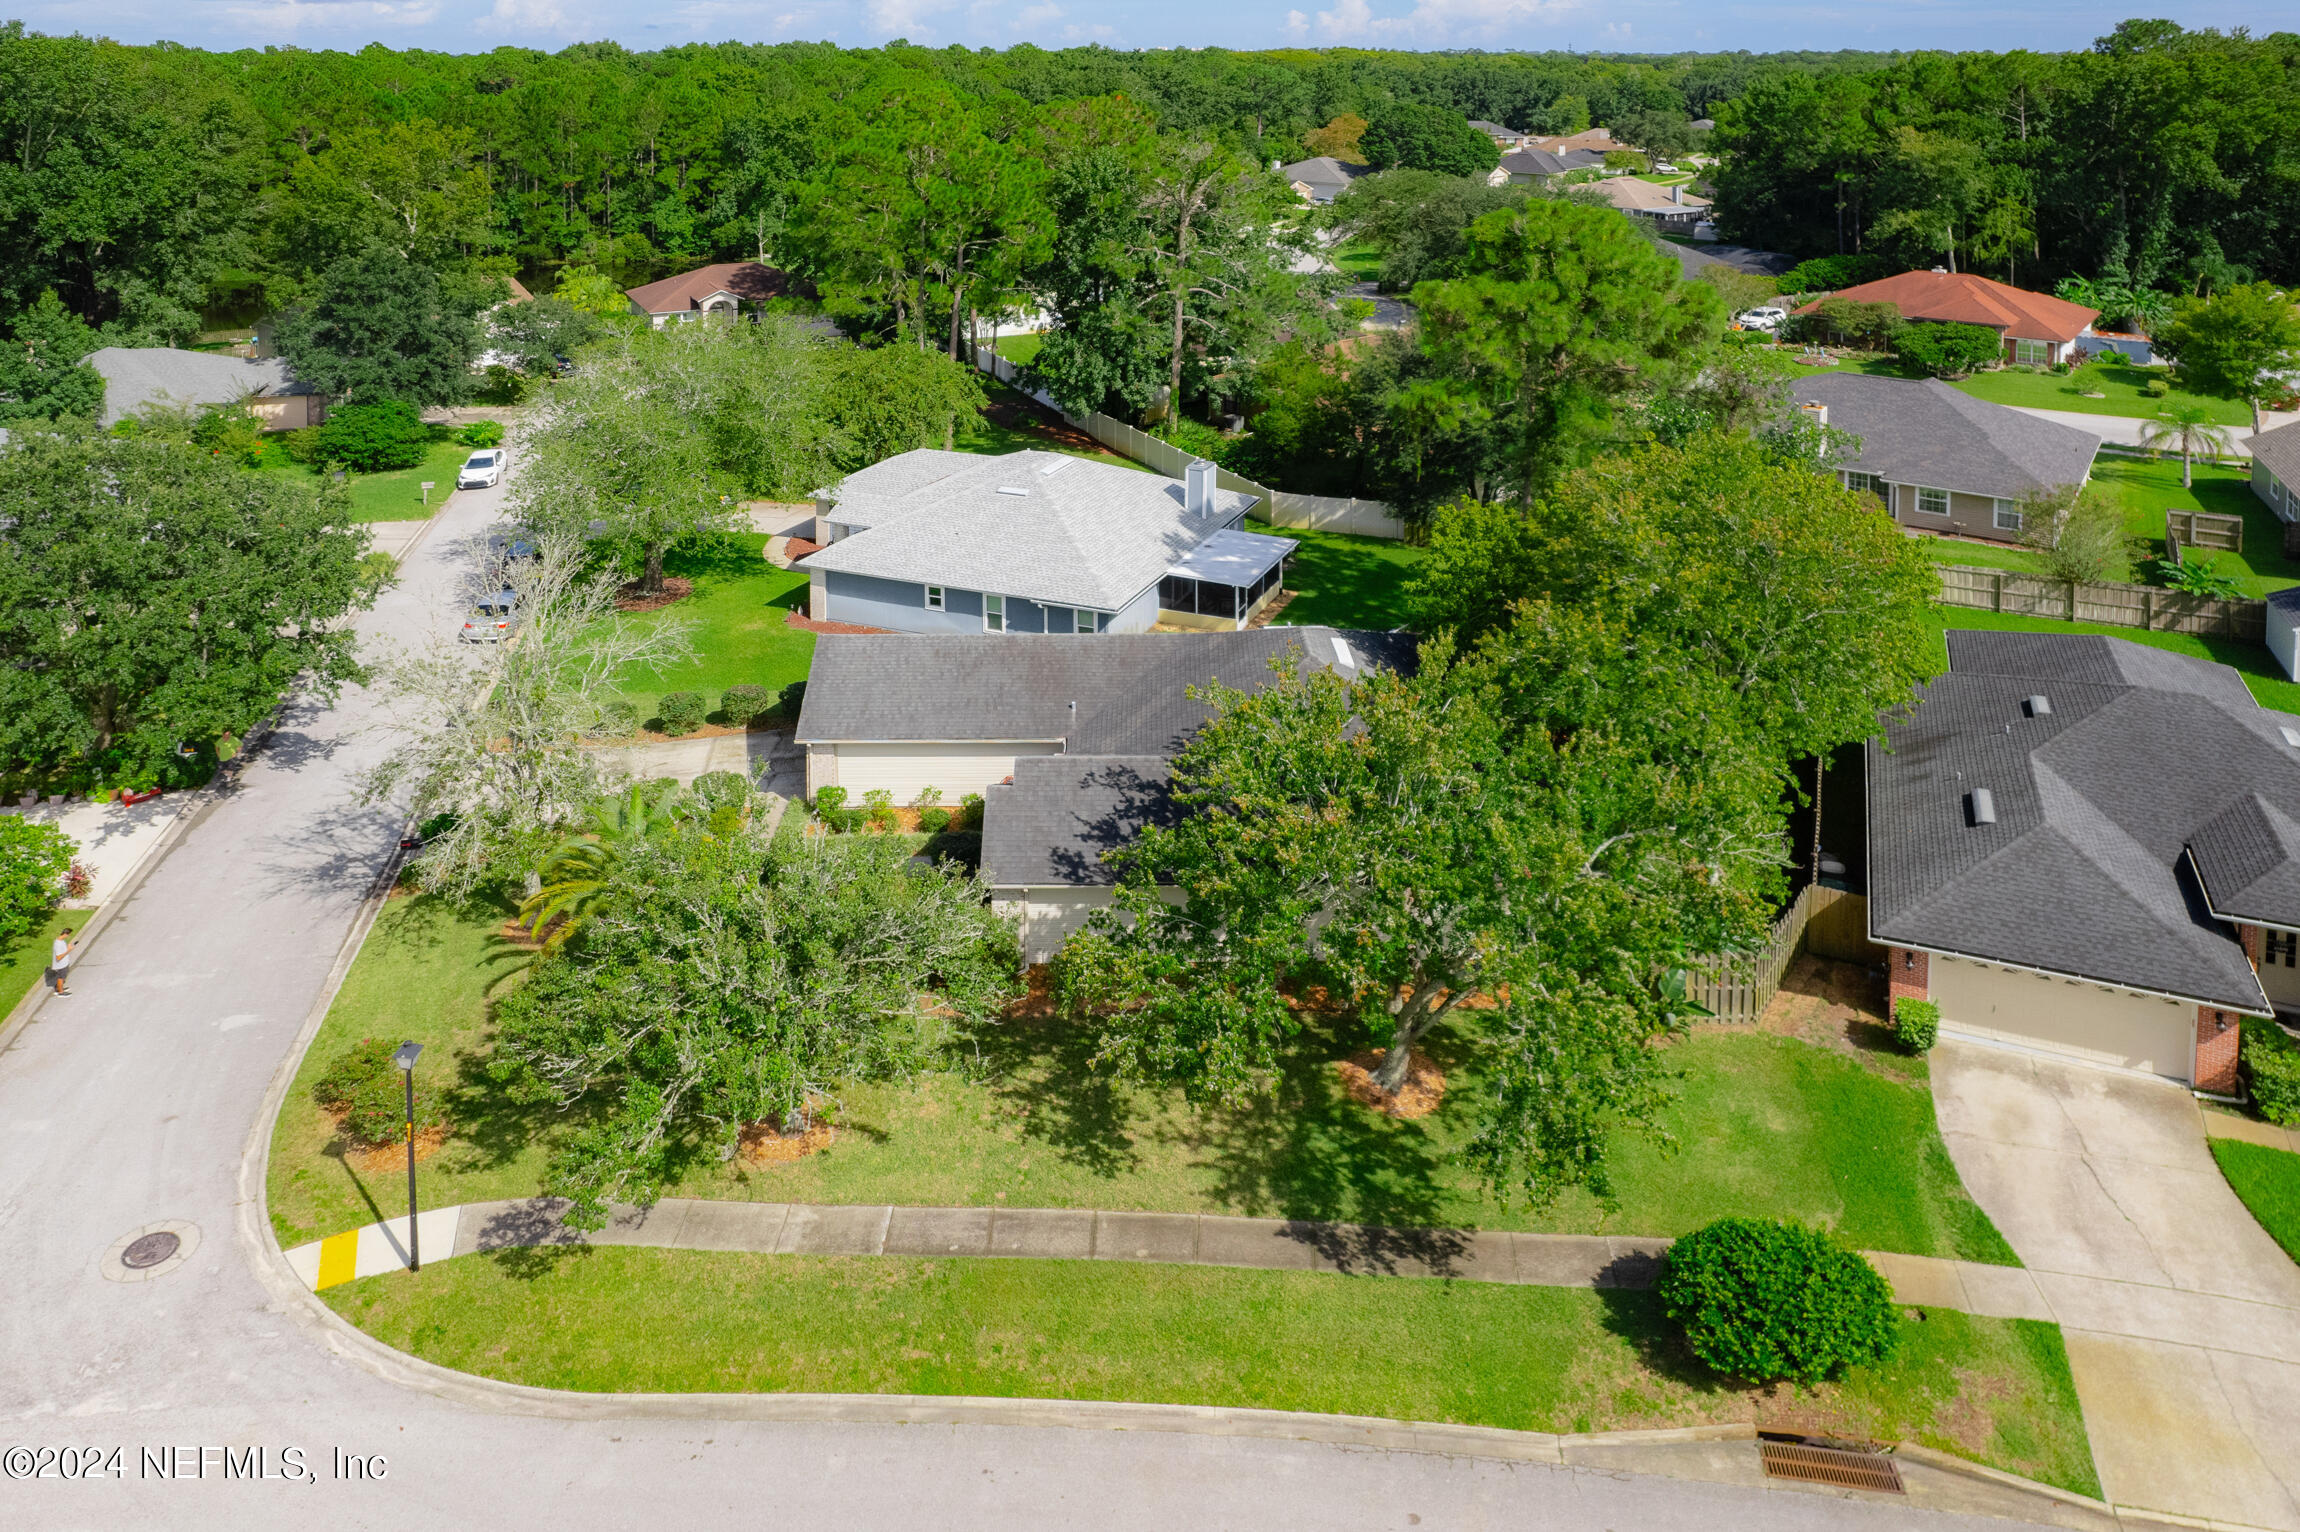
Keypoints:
(2159, 158)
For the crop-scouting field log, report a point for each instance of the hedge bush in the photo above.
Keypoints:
(681, 712)
(831, 808)
(721, 789)
(481, 434)
(1946, 350)
(745, 702)
(2269, 1061)
(365, 1090)
(372, 438)
(878, 808)
(969, 814)
(1916, 1024)
(1767, 1301)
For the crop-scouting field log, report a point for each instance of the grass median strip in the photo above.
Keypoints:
(1554, 1359)
(2267, 1181)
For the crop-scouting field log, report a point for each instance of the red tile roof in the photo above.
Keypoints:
(747, 280)
(1961, 298)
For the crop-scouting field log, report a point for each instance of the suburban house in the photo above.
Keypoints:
(1941, 460)
(1506, 138)
(1672, 207)
(1599, 139)
(1522, 167)
(139, 377)
(2086, 847)
(1069, 744)
(1035, 542)
(2276, 471)
(1322, 179)
(2038, 329)
(729, 288)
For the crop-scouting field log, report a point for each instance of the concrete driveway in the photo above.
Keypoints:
(2182, 1316)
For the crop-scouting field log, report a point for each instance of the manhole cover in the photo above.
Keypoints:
(150, 1250)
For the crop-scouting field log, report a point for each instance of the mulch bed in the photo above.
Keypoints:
(1418, 1097)
(818, 625)
(632, 598)
(393, 1156)
(765, 1143)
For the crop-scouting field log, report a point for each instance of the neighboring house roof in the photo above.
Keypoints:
(1324, 173)
(1921, 431)
(1541, 162)
(2153, 791)
(1959, 297)
(1704, 124)
(746, 281)
(2279, 452)
(138, 376)
(1494, 129)
(519, 292)
(1632, 195)
(1599, 139)
(1040, 525)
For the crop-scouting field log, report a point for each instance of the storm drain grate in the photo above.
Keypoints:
(1832, 1466)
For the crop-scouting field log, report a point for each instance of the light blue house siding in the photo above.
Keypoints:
(901, 606)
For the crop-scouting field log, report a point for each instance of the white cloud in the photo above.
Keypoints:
(518, 18)
(1297, 26)
(904, 18)
(1431, 21)
(294, 15)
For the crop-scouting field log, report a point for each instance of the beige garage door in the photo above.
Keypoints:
(2079, 1021)
(904, 769)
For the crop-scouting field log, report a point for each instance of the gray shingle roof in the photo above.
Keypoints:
(1324, 171)
(135, 376)
(2280, 451)
(2144, 759)
(1051, 825)
(1078, 533)
(1924, 432)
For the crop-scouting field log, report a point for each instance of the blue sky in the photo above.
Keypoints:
(1616, 25)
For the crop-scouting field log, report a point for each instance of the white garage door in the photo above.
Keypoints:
(904, 769)
(2075, 1020)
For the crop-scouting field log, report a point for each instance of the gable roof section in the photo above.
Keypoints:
(136, 376)
(1921, 431)
(1631, 195)
(749, 281)
(1959, 297)
(1050, 826)
(2279, 451)
(2149, 770)
(1543, 162)
(1040, 525)
(1324, 171)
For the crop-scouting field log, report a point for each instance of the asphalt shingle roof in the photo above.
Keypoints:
(1051, 825)
(136, 376)
(1039, 525)
(1921, 431)
(749, 281)
(1324, 171)
(2280, 451)
(2143, 761)
(1960, 297)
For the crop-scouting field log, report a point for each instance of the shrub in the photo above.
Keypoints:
(745, 702)
(301, 445)
(831, 808)
(1916, 1024)
(793, 697)
(481, 433)
(2158, 388)
(681, 712)
(2077, 529)
(370, 438)
(721, 789)
(1946, 350)
(878, 808)
(34, 860)
(969, 814)
(933, 818)
(1764, 1300)
(619, 720)
(2269, 1061)
(1862, 324)
(366, 1091)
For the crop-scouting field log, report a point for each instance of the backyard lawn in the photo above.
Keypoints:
(2124, 389)
(1529, 1358)
(1768, 1126)
(1357, 260)
(1019, 349)
(393, 496)
(2268, 1182)
(1343, 581)
(736, 615)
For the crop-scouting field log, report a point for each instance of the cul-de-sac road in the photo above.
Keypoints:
(142, 1099)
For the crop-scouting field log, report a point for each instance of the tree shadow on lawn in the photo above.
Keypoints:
(720, 559)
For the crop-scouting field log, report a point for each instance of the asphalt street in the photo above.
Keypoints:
(139, 1100)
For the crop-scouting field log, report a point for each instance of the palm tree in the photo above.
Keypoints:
(2189, 429)
(580, 868)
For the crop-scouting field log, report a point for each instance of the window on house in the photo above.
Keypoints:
(1864, 483)
(1932, 502)
(2283, 947)
(2008, 515)
(993, 614)
(2032, 353)
(934, 598)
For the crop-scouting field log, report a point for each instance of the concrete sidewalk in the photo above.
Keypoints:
(113, 841)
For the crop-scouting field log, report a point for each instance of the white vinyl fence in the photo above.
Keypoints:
(1320, 513)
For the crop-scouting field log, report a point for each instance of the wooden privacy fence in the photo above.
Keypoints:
(2203, 529)
(1739, 988)
(1324, 513)
(2122, 606)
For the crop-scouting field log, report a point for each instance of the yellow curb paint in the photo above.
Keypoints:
(338, 1259)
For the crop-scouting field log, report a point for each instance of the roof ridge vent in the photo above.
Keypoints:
(1055, 467)
(2291, 735)
(1984, 806)
(2039, 706)
(1013, 489)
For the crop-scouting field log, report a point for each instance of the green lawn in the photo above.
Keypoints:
(1528, 1358)
(1766, 1125)
(2125, 389)
(393, 496)
(1357, 260)
(1344, 581)
(25, 963)
(2251, 660)
(737, 629)
(1019, 349)
(2268, 1182)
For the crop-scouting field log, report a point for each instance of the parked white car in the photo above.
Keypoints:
(1767, 318)
(492, 618)
(482, 470)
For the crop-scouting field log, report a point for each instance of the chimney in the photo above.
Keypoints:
(1677, 192)
(1198, 487)
(1816, 412)
(1940, 271)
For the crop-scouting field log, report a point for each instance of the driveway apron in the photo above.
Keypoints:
(2182, 1316)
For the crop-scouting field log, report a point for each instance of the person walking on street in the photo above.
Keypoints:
(60, 960)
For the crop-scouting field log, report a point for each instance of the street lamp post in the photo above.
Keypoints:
(405, 1056)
